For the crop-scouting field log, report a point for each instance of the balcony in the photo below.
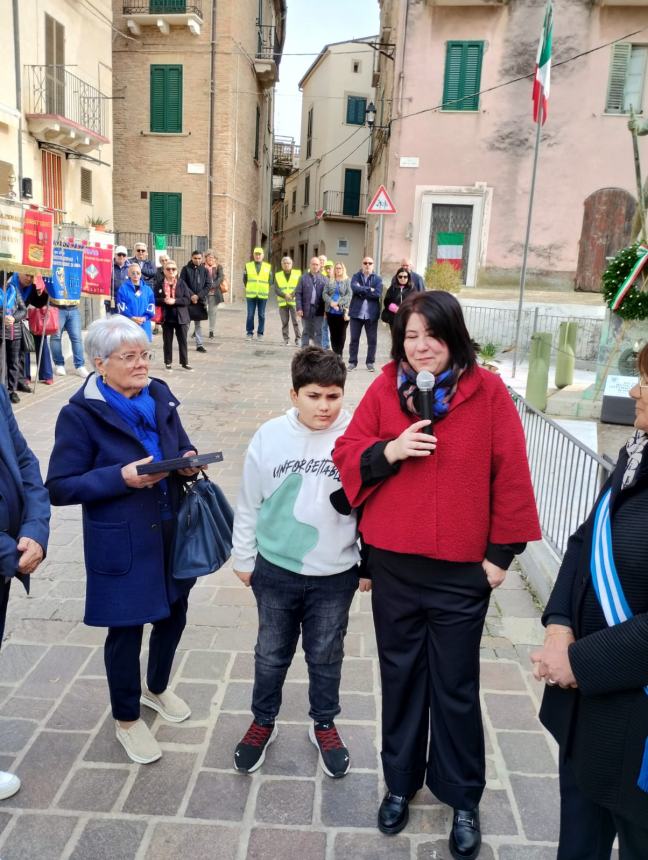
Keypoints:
(63, 109)
(164, 14)
(340, 205)
(285, 156)
(469, 2)
(268, 55)
(620, 3)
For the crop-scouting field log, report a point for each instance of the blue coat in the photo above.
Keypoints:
(366, 288)
(131, 305)
(127, 583)
(23, 467)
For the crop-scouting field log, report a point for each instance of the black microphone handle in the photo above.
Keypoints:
(426, 400)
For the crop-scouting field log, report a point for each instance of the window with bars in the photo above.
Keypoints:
(166, 98)
(356, 110)
(309, 134)
(52, 173)
(86, 185)
(627, 77)
(462, 77)
(165, 213)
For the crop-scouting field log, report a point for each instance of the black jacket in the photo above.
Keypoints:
(179, 312)
(603, 725)
(394, 296)
(199, 282)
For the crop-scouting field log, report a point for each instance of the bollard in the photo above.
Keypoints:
(566, 357)
(538, 378)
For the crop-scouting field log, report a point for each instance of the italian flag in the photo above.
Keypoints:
(450, 249)
(542, 83)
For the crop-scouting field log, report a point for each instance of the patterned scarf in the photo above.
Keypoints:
(445, 385)
(635, 448)
(170, 288)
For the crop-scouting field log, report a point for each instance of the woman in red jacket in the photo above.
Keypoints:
(443, 517)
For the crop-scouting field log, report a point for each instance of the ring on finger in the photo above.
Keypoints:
(551, 682)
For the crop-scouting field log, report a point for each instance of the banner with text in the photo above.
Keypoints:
(97, 270)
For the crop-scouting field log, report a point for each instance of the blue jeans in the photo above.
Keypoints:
(69, 321)
(260, 306)
(371, 328)
(290, 604)
(45, 369)
(326, 340)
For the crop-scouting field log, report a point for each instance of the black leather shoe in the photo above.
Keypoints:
(23, 386)
(393, 814)
(14, 397)
(465, 837)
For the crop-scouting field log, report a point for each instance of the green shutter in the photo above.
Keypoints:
(356, 110)
(165, 213)
(166, 98)
(174, 214)
(462, 75)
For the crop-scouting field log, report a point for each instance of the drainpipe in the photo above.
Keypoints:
(16, 32)
(212, 111)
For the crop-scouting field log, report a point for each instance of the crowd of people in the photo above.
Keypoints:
(375, 501)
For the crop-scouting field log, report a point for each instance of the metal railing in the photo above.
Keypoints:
(267, 43)
(179, 247)
(285, 153)
(55, 91)
(497, 325)
(164, 7)
(566, 474)
(343, 203)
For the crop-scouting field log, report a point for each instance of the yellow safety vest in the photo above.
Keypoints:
(258, 285)
(287, 284)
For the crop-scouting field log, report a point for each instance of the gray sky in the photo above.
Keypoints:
(310, 26)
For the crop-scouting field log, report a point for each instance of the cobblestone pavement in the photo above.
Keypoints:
(83, 799)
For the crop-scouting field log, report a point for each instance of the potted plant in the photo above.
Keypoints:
(98, 223)
(486, 356)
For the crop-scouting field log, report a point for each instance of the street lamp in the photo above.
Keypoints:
(370, 115)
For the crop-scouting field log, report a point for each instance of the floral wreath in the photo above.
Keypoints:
(625, 287)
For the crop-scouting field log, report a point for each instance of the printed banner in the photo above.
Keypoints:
(38, 228)
(64, 286)
(97, 270)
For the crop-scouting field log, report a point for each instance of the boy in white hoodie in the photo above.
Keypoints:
(295, 544)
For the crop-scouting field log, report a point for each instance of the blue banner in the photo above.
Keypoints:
(67, 272)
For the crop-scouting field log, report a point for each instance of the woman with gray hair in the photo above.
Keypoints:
(119, 419)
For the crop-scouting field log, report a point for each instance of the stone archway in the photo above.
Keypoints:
(607, 228)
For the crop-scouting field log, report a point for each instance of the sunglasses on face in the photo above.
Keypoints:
(170, 269)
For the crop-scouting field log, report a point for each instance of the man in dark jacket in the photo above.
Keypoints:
(24, 518)
(366, 287)
(147, 266)
(310, 305)
(417, 280)
(197, 278)
(120, 267)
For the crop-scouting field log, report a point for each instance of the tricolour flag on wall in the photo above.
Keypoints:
(450, 249)
(542, 83)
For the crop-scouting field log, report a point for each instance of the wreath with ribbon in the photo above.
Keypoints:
(623, 283)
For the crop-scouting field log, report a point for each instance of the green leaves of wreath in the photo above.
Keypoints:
(635, 303)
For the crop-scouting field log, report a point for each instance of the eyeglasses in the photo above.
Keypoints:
(121, 255)
(171, 269)
(130, 359)
(403, 277)
(367, 262)
(140, 250)
(642, 382)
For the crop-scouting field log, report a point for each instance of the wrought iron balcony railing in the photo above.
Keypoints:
(267, 43)
(53, 91)
(344, 203)
(164, 7)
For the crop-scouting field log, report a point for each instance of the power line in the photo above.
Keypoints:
(348, 155)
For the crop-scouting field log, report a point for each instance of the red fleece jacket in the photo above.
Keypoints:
(473, 490)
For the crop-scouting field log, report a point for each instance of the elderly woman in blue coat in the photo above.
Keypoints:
(119, 419)
(135, 299)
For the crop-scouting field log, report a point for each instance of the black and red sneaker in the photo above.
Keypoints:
(251, 750)
(333, 754)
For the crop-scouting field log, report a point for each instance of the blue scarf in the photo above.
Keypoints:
(139, 413)
(445, 385)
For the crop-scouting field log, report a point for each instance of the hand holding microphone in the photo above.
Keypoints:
(418, 440)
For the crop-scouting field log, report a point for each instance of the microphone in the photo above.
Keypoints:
(425, 384)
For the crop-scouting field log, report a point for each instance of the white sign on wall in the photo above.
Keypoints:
(409, 161)
(195, 168)
(619, 386)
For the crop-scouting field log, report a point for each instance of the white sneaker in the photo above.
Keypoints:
(139, 743)
(82, 372)
(9, 784)
(60, 370)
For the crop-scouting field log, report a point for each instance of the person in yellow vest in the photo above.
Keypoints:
(258, 280)
(285, 285)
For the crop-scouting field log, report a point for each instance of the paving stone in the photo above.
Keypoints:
(219, 796)
(82, 707)
(243, 667)
(526, 752)
(285, 801)
(81, 634)
(200, 841)
(5, 818)
(38, 837)
(234, 596)
(202, 594)
(167, 733)
(350, 802)
(199, 697)
(356, 706)
(362, 744)
(41, 631)
(15, 734)
(18, 706)
(228, 731)
(94, 789)
(292, 753)
(51, 754)
(203, 615)
(95, 665)
(430, 819)
(205, 665)
(238, 696)
(287, 844)
(518, 602)
(353, 846)
(496, 675)
(107, 840)
(69, 587)
(197, 637)
(512, 712)
(233, 640)
(439, 850)
(159, 787)
(16, 661)
(357, 675)
(538, 799)
(70, 610)
(526, 852)
(54, 671)
(496, 814)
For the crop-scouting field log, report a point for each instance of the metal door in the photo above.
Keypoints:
(451, 218)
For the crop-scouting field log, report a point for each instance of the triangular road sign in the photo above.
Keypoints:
(381, 203)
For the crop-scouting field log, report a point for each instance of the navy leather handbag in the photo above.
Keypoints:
(203, 540)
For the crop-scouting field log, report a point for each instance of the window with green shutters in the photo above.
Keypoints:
(166, 99)
(356, 110)
(462, 75)
(165, 213)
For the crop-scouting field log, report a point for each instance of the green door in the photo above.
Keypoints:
(165, 214)
(351, 201)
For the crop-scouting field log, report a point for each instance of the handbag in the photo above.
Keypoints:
(43, 321)
(203, 539)
(224, 286)
(28, 342)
